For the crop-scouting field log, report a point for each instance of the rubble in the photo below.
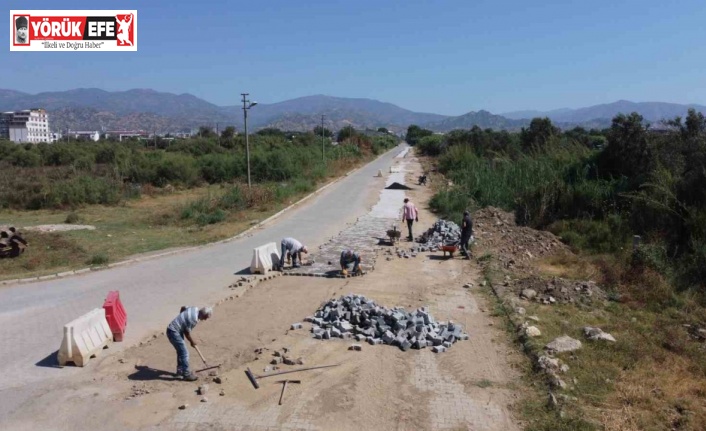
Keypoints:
(556, 290)
(355, 316)
(443, 232)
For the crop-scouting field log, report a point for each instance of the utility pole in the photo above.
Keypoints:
(246, 106)
(323, 156)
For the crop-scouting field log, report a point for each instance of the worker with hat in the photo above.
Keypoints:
(291, 248)
(349, 257)
(21, 33)
(181, 328)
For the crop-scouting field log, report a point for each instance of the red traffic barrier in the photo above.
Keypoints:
(115, 314)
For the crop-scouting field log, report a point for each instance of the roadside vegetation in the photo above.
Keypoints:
(144, 196)
(596, 190)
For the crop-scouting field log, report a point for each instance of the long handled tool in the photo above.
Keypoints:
(204, 362)
(253, 378)
(284, 386)
(200, 354)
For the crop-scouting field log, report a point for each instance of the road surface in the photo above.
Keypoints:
(32, 315)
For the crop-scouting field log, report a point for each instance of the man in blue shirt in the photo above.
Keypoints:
(348, 257)
(181, 327)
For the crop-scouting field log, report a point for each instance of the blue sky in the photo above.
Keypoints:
(446, 57)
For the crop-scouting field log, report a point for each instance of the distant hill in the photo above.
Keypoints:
(92, 108)
(150, 110)
(482, 119)
(651, 111)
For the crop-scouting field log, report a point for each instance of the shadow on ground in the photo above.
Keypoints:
(51, 361)
(145, 373)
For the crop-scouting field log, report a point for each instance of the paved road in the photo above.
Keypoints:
(32, 315)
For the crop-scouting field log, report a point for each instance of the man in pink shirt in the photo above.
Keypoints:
(409, 213)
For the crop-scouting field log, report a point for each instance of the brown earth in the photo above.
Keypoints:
(471, 386)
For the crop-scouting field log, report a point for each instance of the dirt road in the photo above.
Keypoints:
(471, 386)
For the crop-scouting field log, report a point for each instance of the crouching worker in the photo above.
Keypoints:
(181, 328)
(348, 257)
(294, 249)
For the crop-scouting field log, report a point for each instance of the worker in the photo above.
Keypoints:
(292, 247)
(348, 257)
(466, 233)
(181, 328)
(409, 214)
(5, 247)
(17, 243)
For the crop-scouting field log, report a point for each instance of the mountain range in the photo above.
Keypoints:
(150, 110)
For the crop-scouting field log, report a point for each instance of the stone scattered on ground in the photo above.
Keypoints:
(556, 289)
(355, 316)
(563, 344)
(204, 400)
(597, 334)
(222, 393)
(532, 331)
(202, 390)
(528, 294)
(183, 406)
(217, 380)
(533, 318)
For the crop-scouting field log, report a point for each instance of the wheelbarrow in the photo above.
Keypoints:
(450, 248)
(394, 234)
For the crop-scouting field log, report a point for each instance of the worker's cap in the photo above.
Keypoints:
(466, 212)
(206, 312)
(21, 22)
(304, 249)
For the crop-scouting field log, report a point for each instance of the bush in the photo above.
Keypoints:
(98, 259)
(72, 218)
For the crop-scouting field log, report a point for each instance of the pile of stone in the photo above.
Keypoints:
(443, 232)
(355, 316)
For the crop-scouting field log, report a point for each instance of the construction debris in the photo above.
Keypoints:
(443, 232)
(355, 316)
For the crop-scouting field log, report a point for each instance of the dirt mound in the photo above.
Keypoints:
(397, 186)
(514, 246)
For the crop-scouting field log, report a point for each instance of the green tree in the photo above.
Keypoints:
(627, 153)
(383, 130)
(327, 132)
(347, 132)
(228, 132)
(206, 132)
(416, 133)
(539, 134)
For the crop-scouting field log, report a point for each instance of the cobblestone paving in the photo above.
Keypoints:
(364, 236)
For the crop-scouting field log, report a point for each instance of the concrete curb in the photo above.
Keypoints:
(187, 249)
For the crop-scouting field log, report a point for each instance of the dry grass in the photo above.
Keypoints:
(568, 265)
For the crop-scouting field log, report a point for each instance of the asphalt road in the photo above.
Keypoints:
(32, 315)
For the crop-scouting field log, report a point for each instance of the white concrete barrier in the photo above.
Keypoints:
(264, 258)
(85, 337)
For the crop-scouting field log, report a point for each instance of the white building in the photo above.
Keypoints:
(28, 126)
